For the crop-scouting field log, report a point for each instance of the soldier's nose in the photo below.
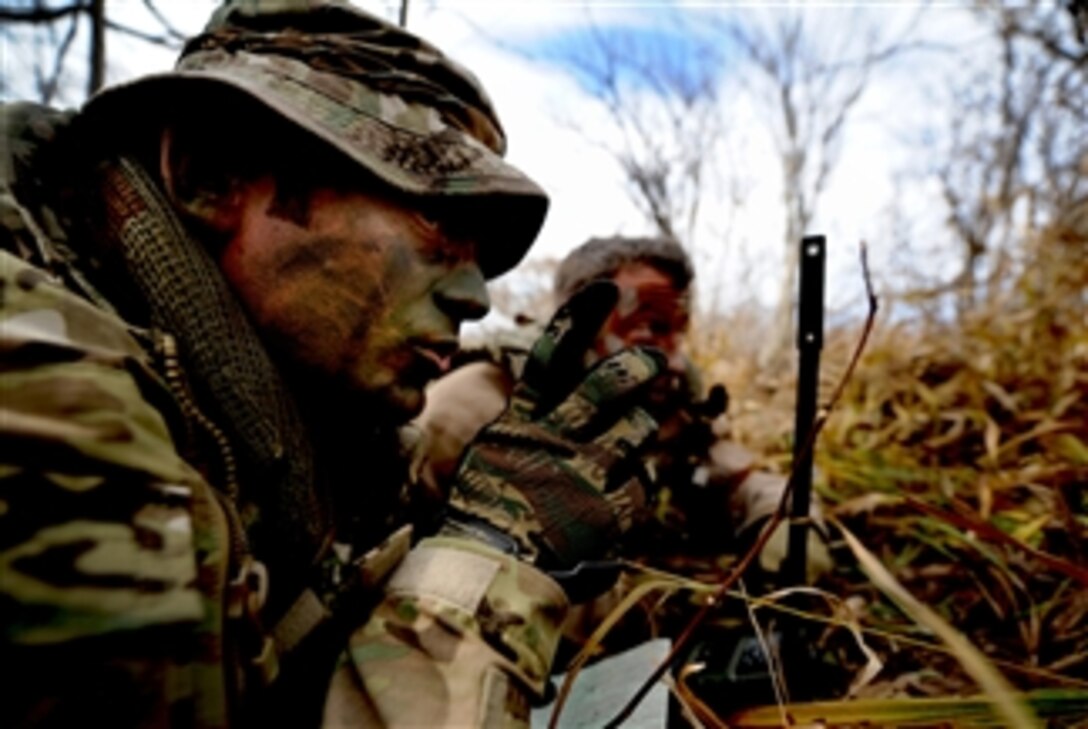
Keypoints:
(462, 295)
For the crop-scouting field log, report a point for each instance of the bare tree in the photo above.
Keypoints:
(807, 79)
(1017, 157)
(660, 96)
(671, 95)
(47, 31)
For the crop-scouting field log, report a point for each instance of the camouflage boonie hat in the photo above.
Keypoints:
(601, 258)
(384, 97)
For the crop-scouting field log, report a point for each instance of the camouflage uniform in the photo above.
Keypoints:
(165, 556)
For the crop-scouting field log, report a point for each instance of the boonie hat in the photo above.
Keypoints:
(387, 99)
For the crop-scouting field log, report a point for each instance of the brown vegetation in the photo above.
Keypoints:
(959, 457)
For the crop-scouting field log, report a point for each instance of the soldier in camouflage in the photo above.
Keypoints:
(201, 274)
(712, 496)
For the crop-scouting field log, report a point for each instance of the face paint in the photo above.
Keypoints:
(650, 312)
(358, 295)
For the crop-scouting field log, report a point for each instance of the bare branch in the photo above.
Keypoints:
(49, 86)
(167, 26)
(166, 41)
(41, 14)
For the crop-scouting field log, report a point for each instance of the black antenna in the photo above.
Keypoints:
(810, 340)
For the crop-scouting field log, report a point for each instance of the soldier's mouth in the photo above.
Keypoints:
(437, 354)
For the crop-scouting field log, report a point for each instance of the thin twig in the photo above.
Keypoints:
(166, 41)
(776, 518)
(770, 602)
(167, 26)
(41, 14)
(49, 89)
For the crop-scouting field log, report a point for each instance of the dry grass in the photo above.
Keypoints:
(958, 456)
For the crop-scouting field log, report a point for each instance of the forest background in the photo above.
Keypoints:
(950, 137)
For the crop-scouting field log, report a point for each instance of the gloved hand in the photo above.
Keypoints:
(557, 478)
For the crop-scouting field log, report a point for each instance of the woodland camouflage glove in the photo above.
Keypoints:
(556, 478)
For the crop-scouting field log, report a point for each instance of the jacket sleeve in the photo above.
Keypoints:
(465, 637)
(106, 535)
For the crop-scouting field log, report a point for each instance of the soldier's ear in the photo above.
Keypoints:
(200, 184)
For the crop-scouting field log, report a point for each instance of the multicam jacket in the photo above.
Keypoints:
(164, 560)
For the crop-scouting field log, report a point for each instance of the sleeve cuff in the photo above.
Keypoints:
(514, 607)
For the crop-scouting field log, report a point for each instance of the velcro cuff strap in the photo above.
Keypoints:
(309, 611)
(378, 563)
(464, 581)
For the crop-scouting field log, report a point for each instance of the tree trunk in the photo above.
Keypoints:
(777, 343)
(97, 75)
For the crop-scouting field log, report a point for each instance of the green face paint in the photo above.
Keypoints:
(366, 295)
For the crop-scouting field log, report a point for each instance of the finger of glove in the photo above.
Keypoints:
(605, 392)
(625, 438)
(557, 358)
(513, 432)
(614, 456)
(628, 503)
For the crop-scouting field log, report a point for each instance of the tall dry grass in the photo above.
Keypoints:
(958, 456)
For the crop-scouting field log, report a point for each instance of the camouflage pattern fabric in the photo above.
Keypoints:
(473, 628)
(80, 394)
(558, 471)
(113, 549)
(121, 595)
(105, 532)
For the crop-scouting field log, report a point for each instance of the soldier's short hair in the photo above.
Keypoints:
(600, 259)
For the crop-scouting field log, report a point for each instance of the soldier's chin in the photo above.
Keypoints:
(383, 405)
(401, 403)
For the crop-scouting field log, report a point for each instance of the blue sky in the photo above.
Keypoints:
(657, 36)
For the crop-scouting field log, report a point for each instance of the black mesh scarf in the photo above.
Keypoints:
(235, 381)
